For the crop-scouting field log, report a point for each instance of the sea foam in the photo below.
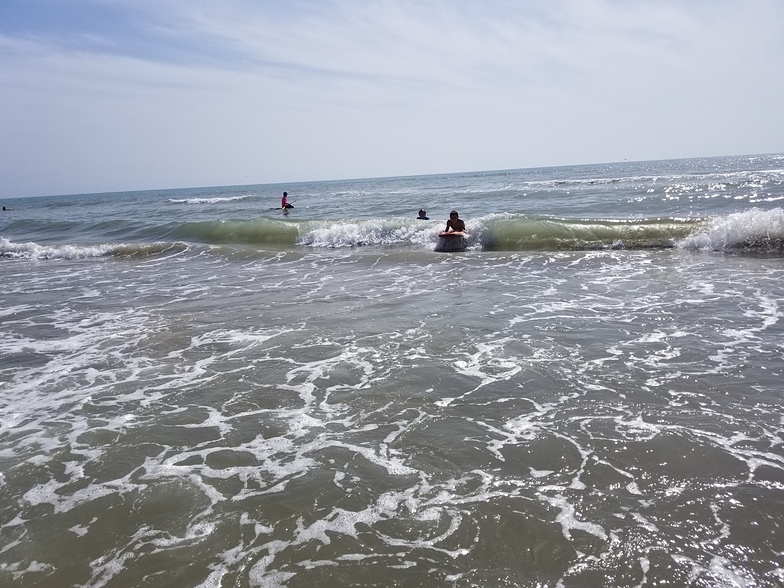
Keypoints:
(751, 230)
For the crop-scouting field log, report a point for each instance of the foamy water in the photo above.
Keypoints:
(333, 403)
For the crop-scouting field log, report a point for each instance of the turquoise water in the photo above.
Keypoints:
(198, 390)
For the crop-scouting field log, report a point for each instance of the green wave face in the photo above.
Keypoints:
(255, 232)
(499, 233)
(554, 234)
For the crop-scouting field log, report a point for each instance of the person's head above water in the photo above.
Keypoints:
(453, 214)
(422, 212)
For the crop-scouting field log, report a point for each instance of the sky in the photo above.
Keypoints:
(115, 95)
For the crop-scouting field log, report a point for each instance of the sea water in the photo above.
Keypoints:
(199, 389)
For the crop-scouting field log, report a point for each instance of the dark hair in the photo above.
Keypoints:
(285, 193)
(453, 212)
(422, 211)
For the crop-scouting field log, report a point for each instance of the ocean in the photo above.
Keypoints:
(198, 389)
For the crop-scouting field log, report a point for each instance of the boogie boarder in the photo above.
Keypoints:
(454, 223)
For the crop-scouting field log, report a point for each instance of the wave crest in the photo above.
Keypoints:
(206, 200)
(754, 230)
(30, 250)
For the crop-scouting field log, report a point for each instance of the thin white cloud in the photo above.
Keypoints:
(198, 92)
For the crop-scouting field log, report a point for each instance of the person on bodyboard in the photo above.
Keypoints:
(454, 224)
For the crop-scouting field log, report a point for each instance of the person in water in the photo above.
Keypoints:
(454, 223)
(423, 214)
(284, 203)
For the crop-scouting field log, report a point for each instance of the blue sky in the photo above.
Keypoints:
(109, 95)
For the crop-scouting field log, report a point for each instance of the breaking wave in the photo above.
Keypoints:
(752, 231)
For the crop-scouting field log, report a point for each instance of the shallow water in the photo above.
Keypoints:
(239, 414)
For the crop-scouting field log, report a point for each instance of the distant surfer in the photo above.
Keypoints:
(284, 203)
(454, 223)
(423, 214)
(6, 209)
